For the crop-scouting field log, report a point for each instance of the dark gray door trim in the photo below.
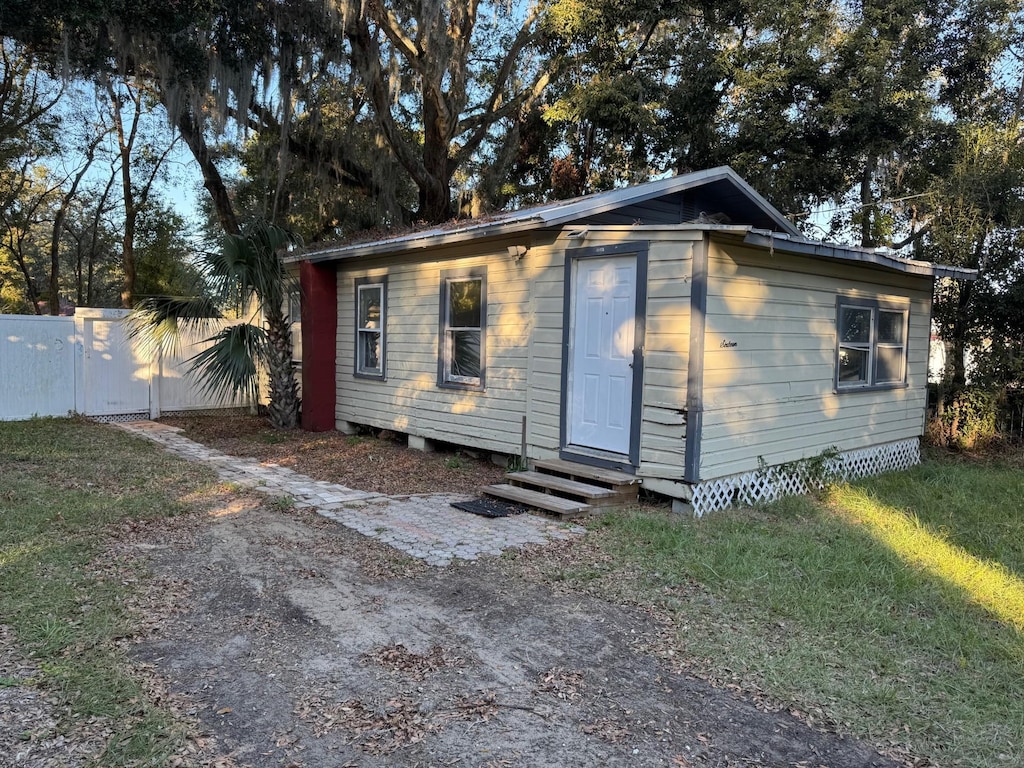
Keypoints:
(572, 255)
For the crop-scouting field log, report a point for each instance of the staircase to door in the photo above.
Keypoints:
(566, 488)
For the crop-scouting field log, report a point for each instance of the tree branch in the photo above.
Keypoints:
(489, 114)
(913, 237)
(338, 165)
(366, 58)
(58, 225)
(190, 130)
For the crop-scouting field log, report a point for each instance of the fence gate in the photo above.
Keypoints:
(115, 381)
(53, 366)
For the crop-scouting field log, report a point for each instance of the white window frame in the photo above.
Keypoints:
(363, 329)
(446, 378)
(875, 308)
(295, 321)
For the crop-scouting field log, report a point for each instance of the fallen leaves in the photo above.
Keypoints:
(376, 730)
(416, 666)
(399, 721)
(565, 684)
(607, 730)
(381, 464)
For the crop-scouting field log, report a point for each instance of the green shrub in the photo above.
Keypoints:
(967, 421)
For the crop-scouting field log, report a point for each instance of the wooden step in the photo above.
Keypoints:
(585, 472)
(560, 485)
(536, 499)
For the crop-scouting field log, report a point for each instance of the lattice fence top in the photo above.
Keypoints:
(771, 483)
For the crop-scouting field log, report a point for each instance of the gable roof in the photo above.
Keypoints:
(714, 199)
(717, 195)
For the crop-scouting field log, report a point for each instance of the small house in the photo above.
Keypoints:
(681, 332)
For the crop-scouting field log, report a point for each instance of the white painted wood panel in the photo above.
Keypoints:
(601, 379)
(115, 377)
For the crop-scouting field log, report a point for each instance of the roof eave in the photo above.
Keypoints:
(418, 241)
(778, 242)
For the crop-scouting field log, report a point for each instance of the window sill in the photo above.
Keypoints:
(848, 390)
(460, 386)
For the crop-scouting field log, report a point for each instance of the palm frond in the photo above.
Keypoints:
(229, 366)
(247, 272)
(249, 265)
(157, 322)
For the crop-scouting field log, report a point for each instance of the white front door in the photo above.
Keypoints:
(601, 353)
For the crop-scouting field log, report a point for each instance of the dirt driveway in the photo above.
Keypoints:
(296, 642)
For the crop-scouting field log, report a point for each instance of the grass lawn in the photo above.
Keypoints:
(65, 487)
(892, 609)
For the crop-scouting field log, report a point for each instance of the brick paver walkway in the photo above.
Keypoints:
(423, 526)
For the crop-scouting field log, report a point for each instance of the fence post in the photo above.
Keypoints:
(79, 374)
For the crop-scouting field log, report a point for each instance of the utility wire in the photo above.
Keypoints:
(855, 206)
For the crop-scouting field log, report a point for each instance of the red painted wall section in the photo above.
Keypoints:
(319, 345)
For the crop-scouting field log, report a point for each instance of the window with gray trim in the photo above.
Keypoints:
(371, 305)
(871, 349)
(463, 329)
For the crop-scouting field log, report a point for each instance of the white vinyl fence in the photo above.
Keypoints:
(53, 366)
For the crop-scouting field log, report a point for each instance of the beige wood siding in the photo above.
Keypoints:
(525, 304)
(545, 363)
(666, 356)
(666, 348)
(409, 400)
(771, 395)
(769, 360)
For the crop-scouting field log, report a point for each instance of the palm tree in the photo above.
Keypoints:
(246, 272)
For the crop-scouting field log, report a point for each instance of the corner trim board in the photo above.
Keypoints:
(695, 365)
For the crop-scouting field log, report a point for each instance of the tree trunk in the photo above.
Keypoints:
(125, 142)
(435, 199)
(283, 409)
(192, 133)
(128, 257)
(30, 285)
(54, 290)
(97, 217)
(58, 230)
(964, 319)
(959, 340)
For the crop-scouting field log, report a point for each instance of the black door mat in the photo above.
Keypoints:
(490, 507)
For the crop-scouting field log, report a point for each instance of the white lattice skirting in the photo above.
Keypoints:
(771, 483)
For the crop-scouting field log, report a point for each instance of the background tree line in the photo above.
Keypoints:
(882, 123)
